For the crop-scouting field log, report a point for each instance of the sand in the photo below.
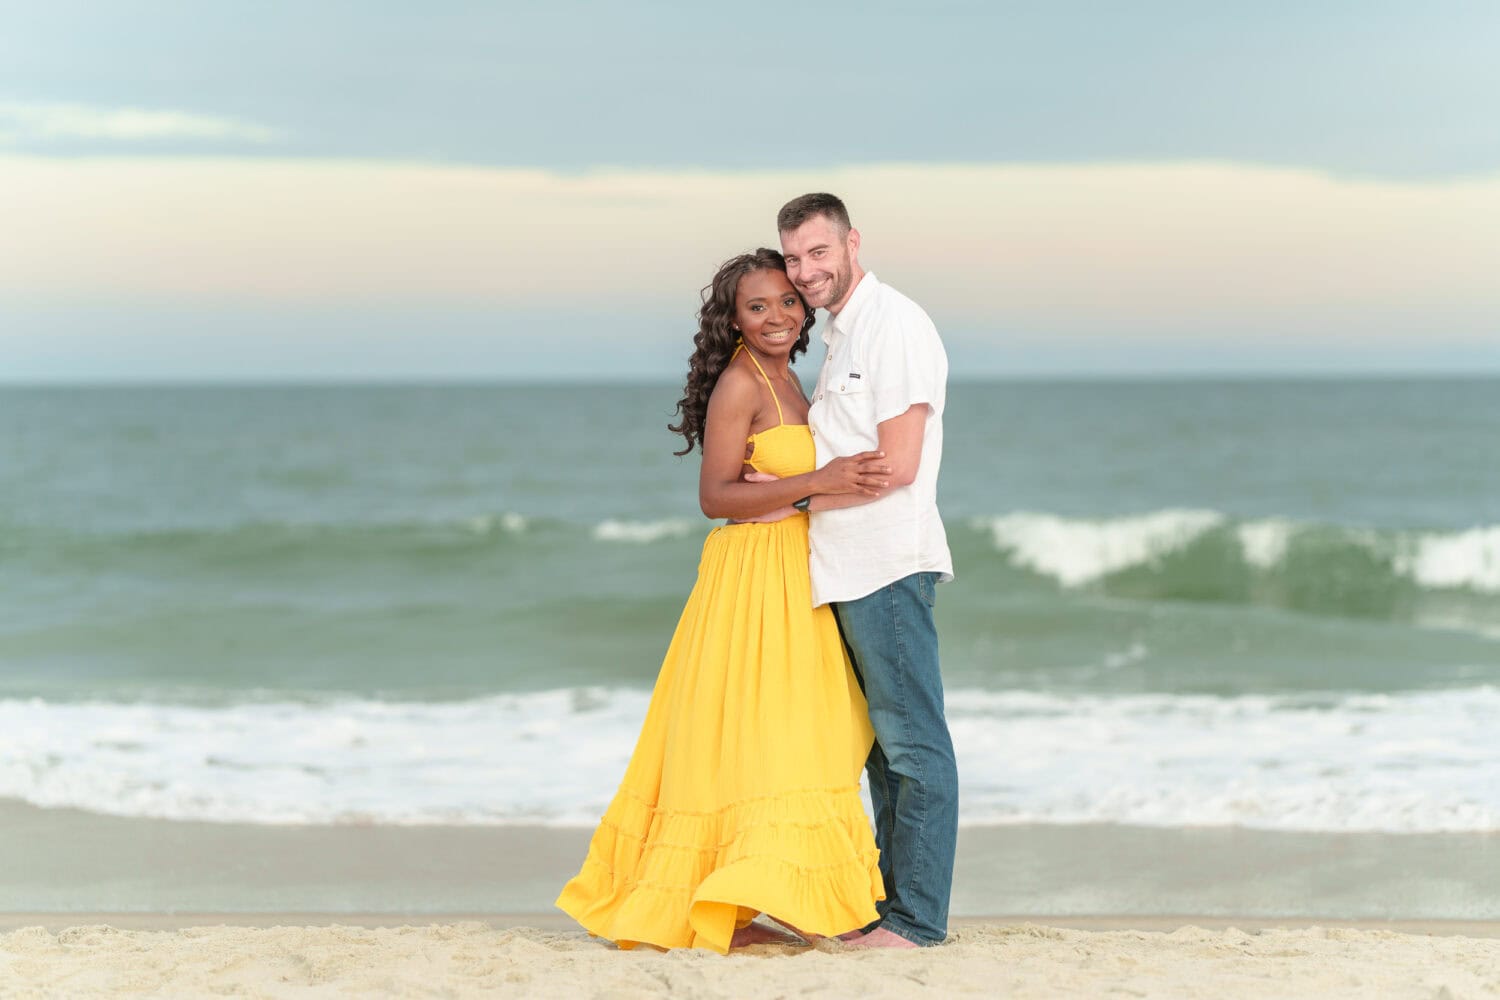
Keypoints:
(982, 958)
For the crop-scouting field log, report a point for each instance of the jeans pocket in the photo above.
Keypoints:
(927, 587)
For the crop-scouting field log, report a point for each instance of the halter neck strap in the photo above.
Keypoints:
(780, 418)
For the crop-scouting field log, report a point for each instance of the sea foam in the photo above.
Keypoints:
(1079, 551)
(642, 532)
(1462, 559)
(1407, 762)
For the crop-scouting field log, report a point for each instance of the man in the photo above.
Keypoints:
(876, 561)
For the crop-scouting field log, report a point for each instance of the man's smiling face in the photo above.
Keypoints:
(820, 261)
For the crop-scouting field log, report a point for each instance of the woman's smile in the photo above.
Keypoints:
(768, 312)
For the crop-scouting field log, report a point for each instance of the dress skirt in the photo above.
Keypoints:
(742, 794)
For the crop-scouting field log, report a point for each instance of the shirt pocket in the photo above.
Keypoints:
(846, 383)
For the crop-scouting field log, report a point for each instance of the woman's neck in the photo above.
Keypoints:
(775, 367)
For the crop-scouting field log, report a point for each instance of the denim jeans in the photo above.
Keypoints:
(913, 777)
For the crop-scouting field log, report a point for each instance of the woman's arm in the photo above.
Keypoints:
(721, 493)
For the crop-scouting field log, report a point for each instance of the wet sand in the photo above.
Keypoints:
(63, 860)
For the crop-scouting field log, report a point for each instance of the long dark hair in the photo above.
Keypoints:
(715, 341)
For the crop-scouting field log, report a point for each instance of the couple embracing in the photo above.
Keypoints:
(807, 649)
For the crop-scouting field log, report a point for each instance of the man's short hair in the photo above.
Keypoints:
(799, 210)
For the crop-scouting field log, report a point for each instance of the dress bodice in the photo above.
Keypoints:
(784, 450)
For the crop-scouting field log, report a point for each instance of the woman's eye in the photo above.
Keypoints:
(756, 309)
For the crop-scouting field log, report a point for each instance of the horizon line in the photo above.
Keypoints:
(547, 381)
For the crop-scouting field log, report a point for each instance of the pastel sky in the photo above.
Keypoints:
(517, 191)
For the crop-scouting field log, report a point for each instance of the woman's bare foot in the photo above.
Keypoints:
(849, 936)
(810, 938)
(882, 938)
(760, 934)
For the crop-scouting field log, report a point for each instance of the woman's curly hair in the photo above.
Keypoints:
(716, 339)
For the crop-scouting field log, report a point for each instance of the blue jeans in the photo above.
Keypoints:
(913, 777)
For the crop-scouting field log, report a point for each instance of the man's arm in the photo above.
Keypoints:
(901, 440)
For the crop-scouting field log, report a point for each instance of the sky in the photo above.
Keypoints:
(278, 191)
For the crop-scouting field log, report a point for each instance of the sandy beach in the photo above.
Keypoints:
(273, 955)
(104, 906)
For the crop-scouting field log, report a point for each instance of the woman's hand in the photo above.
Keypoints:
(864, 474)
(779, 514)
(769, 517)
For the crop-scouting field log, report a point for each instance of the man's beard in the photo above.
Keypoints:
(838, 287)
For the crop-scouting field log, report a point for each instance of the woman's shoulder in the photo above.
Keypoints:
(735, 390)
(735, 379)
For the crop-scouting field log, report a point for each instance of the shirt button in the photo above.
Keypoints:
(812, 432)
(843, 388)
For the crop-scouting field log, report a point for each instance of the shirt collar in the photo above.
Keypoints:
(843, 322)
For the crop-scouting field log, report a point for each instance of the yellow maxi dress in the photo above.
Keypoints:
(742, 795)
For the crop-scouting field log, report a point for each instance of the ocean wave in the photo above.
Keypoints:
(508, 523)
(1409, 762)
(306, 535)
(1080, 551)
(1075, 551)
(249, 543)
(407, 531)
(644, 532)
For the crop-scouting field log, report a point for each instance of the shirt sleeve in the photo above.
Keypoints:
(906, 363)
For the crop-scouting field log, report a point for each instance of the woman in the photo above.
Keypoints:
(742, 794)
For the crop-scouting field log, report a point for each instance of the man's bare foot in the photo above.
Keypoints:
(761, 934)
(882, 938)
(849, 936)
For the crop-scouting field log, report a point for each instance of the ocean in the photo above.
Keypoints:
(1253, 604)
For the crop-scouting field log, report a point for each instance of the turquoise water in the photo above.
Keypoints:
(204, 560)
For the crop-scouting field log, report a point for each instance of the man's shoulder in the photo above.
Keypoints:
(890, 295)
(895, 319)
(892, 307)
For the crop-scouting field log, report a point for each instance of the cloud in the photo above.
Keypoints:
(40, 122)
(1194, 251)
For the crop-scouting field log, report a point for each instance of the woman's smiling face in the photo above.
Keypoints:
(768, 312)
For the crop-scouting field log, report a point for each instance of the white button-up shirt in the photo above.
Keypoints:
(884, 357)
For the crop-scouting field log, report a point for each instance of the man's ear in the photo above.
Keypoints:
(853, 243)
